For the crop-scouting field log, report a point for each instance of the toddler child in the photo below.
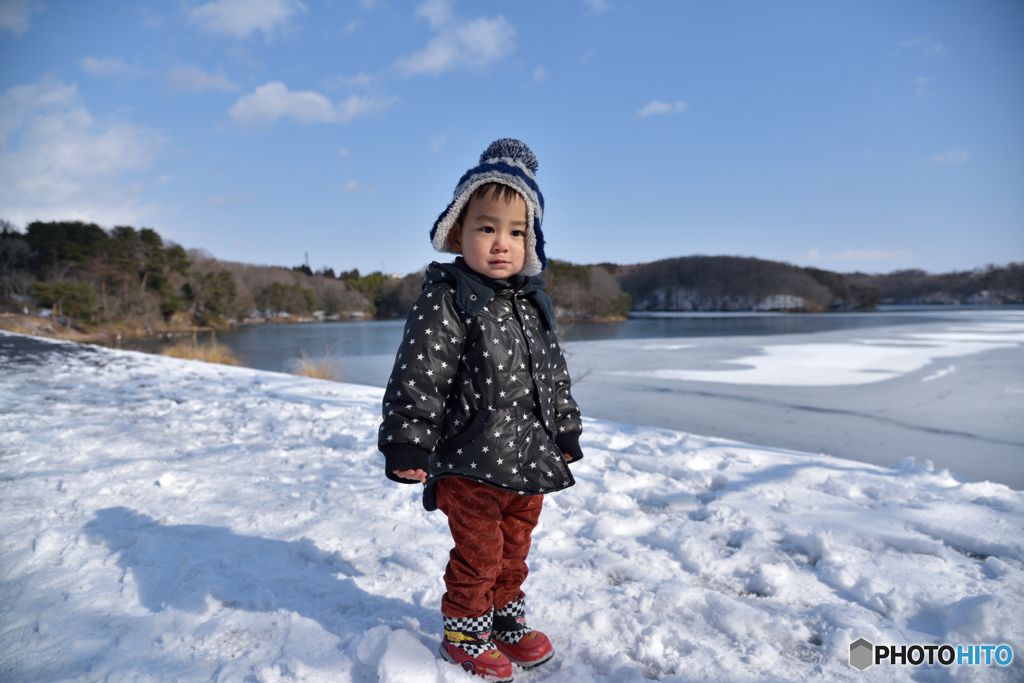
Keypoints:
(478, 407)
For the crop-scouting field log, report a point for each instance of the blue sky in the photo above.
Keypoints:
(848, 135)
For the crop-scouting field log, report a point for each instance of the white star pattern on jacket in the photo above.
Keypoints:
(462, 388)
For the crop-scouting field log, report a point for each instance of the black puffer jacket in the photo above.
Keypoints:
(480, 387)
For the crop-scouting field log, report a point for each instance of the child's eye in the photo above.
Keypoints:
(487, 229)
(518, 233)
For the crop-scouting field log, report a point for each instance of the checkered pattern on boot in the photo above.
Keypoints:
(470, 634)
(510, 621)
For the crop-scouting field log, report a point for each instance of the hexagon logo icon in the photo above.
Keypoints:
(862, 654)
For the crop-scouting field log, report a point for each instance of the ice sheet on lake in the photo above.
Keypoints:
(862, 361)
(167, 520)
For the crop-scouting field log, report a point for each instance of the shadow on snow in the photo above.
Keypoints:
(186, 566)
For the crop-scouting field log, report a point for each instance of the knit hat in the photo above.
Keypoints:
(508, 162)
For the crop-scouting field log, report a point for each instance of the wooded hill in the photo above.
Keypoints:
(92, 275)
(732, 283)
(992, 285)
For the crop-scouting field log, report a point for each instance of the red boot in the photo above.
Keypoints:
(515, 640)
(467, 643)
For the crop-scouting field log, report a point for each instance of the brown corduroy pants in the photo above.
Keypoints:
(491, 529)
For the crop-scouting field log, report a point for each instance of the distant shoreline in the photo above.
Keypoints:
(883, 308)
(111, 334)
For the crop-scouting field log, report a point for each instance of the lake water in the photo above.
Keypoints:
(945, 385)
(279, 347)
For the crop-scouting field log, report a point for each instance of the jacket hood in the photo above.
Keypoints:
(472, 291)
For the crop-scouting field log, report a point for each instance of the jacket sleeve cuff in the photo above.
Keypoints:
(401, 456)
(570, 443)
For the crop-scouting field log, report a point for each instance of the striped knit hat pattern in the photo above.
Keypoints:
(508, 162)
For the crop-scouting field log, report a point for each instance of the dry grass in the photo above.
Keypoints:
(12, 325)
(43, 327)
(321, 369)
(209, 352)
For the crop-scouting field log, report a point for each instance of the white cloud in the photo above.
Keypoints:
(343, 152)
(658, 107)
(540, 74)
(358, 106)
(597, 6)
(951, 156)
(352, 25)
(360, 80)
(193, 79)
(239, 18)
(586, 57)
(228, 199)
(437, 12)
(58, 162)
(356, 186)
(921, 91)
(469, 44)
(272, 101)
(108, 66)
(924, 46)
(15, 14)
(437, 142)
(149, 18)
(19, 103)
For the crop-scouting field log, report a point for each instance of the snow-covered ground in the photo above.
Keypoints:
(167, 520)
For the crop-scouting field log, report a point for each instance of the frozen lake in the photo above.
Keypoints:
(942, 385)
(364, 351)
(951, 391)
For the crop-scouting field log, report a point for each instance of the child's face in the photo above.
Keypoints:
(493, 236)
